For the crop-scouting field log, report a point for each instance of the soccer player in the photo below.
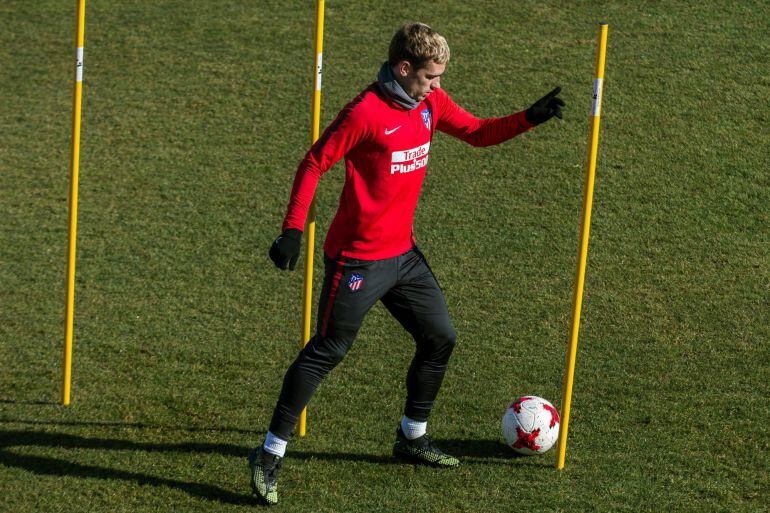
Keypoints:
(370, 254)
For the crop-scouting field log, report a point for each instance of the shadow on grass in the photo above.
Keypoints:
(478, 448)
(462, 448)
(132, 425)
(486, 452)
(470, 452)
(43, 465)
(474, 452)
(67, 441)
(342, 456)
(33, 403)
(56, 467)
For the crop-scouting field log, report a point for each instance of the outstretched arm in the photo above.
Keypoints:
(460, 123)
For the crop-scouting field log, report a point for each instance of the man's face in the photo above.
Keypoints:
(418, 83)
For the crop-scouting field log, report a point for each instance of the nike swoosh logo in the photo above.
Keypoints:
(388, 132)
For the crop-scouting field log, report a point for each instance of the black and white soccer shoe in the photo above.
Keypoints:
(422, 451)
(264, 475)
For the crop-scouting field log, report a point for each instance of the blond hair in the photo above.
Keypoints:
(419, 44)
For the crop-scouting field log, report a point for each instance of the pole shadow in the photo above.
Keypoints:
(133, 425)
(28, 402)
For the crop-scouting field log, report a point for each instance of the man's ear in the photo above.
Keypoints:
(403, 68)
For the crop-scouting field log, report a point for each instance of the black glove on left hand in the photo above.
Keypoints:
(545, 108)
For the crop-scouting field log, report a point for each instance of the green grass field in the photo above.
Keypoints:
(195, 117)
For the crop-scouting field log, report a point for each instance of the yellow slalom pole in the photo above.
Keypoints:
(585, 226)
(307, 290)
(73, 202)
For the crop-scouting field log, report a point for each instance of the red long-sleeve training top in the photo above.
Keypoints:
(386, 149)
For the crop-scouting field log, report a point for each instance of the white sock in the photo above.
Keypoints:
(275, 445)
(412, 428)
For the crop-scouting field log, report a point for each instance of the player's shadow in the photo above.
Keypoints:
(474, 452)
(48, 466)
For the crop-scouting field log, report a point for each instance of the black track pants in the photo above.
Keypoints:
(408, 289)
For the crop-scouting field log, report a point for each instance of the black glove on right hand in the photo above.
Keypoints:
(285, 249)
(545, 108)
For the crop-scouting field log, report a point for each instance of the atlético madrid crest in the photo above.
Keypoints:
(355, 282)
(426, 118)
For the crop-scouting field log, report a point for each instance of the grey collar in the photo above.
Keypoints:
(391, 88)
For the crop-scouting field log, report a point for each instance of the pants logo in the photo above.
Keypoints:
(355, 282)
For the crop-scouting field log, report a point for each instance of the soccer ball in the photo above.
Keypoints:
(530, 425)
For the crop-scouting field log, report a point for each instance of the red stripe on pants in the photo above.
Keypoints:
(332, 294)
